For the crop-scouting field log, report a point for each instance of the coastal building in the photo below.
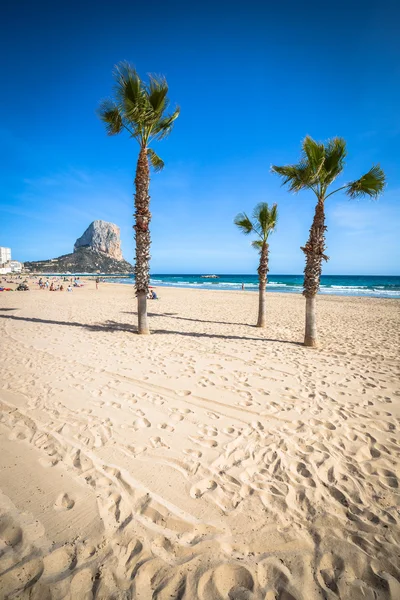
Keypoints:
(6, 264)
(15, 266)
(5, 255)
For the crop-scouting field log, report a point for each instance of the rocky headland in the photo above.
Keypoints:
(98, 250)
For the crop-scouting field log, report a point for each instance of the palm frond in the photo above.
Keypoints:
(273, 215)
(257, 245)
(371, 184)
(139, 107)
(156, 162)
(265, 217)
(111, 117)
(335, 154)
(298, 176)
(165, 125)
(244, 223)
(313, 155)
(157, 91)
(129, 91)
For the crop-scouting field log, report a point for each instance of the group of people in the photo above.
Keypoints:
(152, 295)
(54, 286)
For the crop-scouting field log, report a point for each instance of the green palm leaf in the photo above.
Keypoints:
(156, 162)
(263, 222)
(244, 223)
(265, 218)
(165, 125)
(335, 154)
(257, 245)
(321, 164)
(157, 93)
(371, 184)
(110, 115)
(139, 107)
(313, 155)
(298, 177)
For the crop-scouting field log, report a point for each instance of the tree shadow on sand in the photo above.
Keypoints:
(115, 326)
(176, 316)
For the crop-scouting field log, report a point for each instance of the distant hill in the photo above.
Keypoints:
(98, 250)
(83, 260)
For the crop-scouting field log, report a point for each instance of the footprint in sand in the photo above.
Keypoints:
(175, 417)
(135, 450)
(389, 478)
(212, 415)
(230, 431)
(200, 488)
(58, 564)
(10, 533)
(203, 442)
(183, 392)
(166, 427)
(193, 453)
(245, 403)
(157, 442)
(64, 502)
(141, 423)
(226, 581)
(208, 430)
(48, 462)
(157, 401)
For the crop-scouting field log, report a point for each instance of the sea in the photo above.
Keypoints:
(376, 286)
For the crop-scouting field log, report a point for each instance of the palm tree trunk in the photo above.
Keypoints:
(314, 251)
(142, 236)
(262, 278)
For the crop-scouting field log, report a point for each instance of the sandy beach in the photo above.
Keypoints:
(210, 460)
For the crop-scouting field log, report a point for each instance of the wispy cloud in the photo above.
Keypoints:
(364, 217)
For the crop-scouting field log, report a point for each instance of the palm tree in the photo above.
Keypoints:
(140, 109)
(263, 223)
(319, 166)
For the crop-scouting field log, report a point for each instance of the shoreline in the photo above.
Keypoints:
(204, 289)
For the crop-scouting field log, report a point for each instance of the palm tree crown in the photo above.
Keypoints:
(139, 108)
(320, 164)
(263, 222)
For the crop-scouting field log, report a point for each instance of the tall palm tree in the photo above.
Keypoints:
(319, 166)
(140, 109)
(262, 224)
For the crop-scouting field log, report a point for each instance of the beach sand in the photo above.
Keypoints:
(209, 460)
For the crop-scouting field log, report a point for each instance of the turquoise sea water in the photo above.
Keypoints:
(378, 286)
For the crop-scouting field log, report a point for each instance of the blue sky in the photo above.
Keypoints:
(252, 79)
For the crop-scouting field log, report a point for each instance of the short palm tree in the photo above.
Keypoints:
(262, 224)
(319, 166)
(140, 109)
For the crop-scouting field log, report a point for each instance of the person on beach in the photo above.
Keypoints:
(61, 288)
(69, 288)
(97, 283)
(242, 287)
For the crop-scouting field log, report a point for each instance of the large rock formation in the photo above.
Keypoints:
(102, 237)
(98, 250)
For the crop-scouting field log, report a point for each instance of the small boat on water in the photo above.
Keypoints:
(210, 276)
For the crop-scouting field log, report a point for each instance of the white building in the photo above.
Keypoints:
(5, 255)
(6, 264)
(15, 266)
